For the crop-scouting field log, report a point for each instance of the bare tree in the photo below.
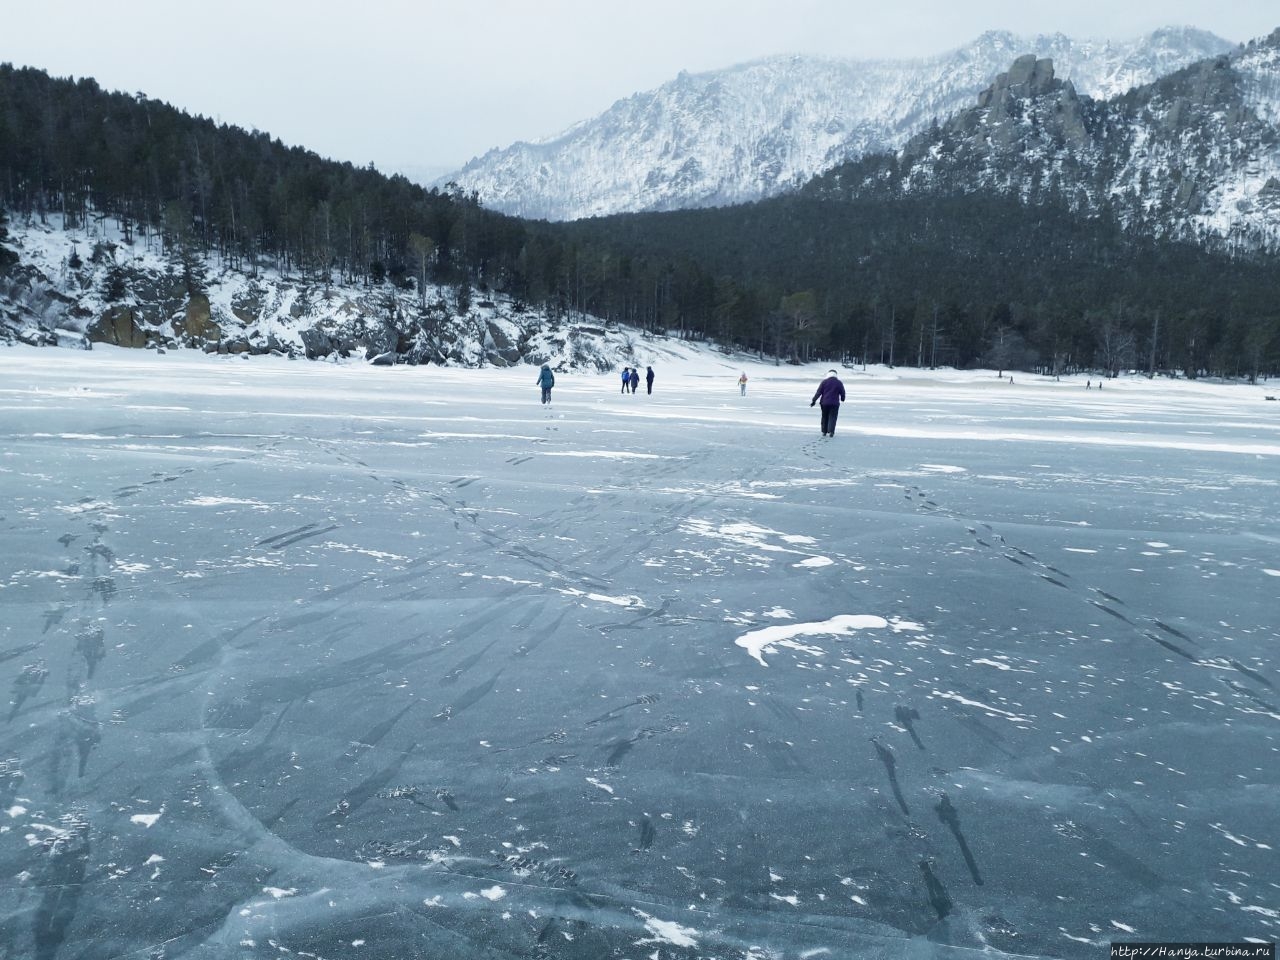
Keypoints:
(424, 248)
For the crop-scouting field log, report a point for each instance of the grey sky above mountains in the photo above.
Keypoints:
(422, 87)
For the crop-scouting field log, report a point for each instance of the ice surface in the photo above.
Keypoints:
(340, 661)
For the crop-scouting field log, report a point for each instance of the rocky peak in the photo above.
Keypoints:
(1028, 77)
(1029, 87)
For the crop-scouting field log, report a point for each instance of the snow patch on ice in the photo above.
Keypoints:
(993, 711)
(606, 454)
(666, 931)
(815, 562)
(1230, 836)
(757, 642)
(601, 597)
(1265, 911)
(221, 502)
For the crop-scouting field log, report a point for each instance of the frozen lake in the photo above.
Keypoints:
(338, 662)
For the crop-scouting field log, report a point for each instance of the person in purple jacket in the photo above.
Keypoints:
(829, 394)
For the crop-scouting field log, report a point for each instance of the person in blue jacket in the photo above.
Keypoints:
(626, 378)
(546, 380)
(829, 394)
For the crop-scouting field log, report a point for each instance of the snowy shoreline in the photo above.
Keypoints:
(698, 386)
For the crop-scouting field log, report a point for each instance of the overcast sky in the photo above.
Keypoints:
(426, 85)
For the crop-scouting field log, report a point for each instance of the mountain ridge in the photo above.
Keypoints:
(758, 128)
(1193, 156)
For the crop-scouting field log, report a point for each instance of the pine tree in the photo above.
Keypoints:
(8, 257)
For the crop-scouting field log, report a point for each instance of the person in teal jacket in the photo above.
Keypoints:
(546, 380)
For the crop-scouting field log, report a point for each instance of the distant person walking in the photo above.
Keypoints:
(546, 380)
(635, 379)
(648, 380)
(626, 378)
(828, 395)
(742, 384)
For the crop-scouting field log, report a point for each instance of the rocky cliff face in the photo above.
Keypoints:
(756, 129)
(84, 286)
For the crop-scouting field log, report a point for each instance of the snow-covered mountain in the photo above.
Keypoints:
(1194, 155)
(753, 130)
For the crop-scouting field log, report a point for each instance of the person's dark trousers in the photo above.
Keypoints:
(649, 385)
(546, 394)
(829, 414)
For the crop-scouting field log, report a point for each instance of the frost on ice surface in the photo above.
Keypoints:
(334, 680)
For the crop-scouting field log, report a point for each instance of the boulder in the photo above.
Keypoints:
(118, 326)
(502, 347)
(381, 341)
(196, 324)
(35, 337)
(316, 343)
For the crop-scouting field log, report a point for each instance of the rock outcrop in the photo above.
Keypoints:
(196, 325)
(118, 326)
